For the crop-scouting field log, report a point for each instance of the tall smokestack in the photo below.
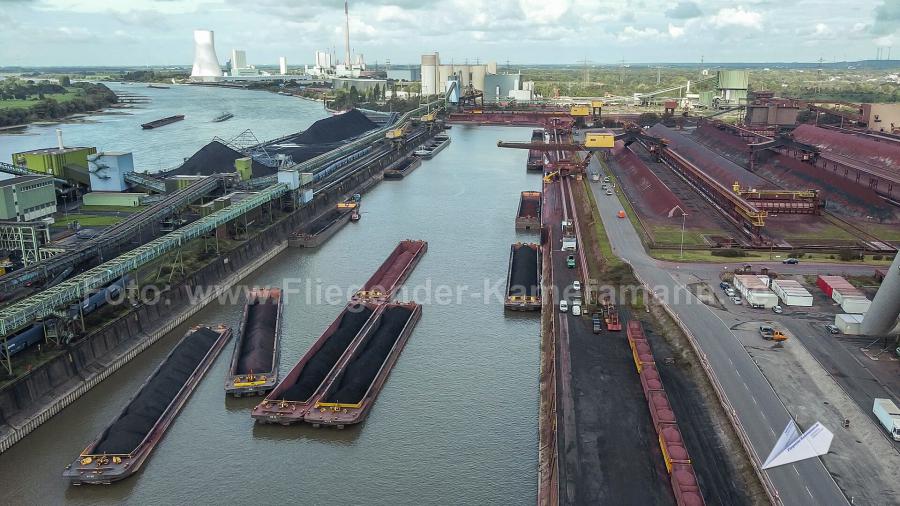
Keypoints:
(346, 35)
(59, 138)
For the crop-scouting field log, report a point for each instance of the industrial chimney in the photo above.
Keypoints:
(346, 35)
(59, 138)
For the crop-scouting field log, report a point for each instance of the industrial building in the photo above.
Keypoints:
(69, 163)
(435, 74)
(27, 198)
(881, 117)
(731, 90)
(409, 74)
(362, 85)
(500, 87)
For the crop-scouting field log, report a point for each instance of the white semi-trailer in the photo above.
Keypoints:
(889, 416)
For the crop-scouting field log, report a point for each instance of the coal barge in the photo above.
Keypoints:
(349, 396)
(536, 157)
(529, 215)
(162, 122)
(254, 362)
(433, 146)
(302, 387)
(123, 447)
(403, 168)
(321, 229)
(523, 279)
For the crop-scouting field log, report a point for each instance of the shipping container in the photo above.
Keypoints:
(858, 305)
(848, 323)
(839, 293)
(792, 293)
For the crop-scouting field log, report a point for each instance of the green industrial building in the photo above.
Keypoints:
(70, 164)
(27, 198)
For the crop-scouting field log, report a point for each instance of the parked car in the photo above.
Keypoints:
(576, 310)
(831, 328)
(595, 321)
(777, 309)
(790, 261)
(609, 192)
(724, 285)
(576, 285)
(730, 292)
(570, 261)
(737, 300)
(563, 306)
(757, 306)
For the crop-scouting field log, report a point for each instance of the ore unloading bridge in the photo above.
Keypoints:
(254, 363)
(523, 279)
(305, 384)
(123, 447)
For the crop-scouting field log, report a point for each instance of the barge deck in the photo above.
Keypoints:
(523, 279)
(433, 146)
(529, 215)
(320, 230)
(162, 122)
(403, 168)
(123, 447)
(354, 387)
(536, 157)
(382, 286)
(254, 362)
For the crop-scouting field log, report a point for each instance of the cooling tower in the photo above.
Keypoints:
(206, 63)
(881, 318)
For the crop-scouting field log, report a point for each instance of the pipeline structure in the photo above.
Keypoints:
(254, 362)
(123, 447)
(678, 462)
(297, 395)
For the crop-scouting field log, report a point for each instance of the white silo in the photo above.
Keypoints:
(430, 63)
(206, 63)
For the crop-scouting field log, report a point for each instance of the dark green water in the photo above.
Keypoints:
(457, 420)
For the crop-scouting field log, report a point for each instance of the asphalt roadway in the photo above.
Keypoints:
(755, 403)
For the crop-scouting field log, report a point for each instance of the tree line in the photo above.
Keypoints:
(90, 97)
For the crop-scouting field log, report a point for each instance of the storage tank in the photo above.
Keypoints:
(430, 63)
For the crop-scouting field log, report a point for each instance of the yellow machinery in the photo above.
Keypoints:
(548, 178)
(579, 110)
(753, 193)
(599, 140)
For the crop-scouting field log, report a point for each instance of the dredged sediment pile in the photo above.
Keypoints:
(258, 341)
(361, 371)
(142, 413)
(523, 276)
(320, 364)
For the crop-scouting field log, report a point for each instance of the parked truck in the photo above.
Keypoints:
(889, 416)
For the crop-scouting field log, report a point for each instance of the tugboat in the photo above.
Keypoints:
(354, 214)
(225, 116)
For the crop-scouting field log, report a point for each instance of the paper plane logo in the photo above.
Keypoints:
(793, 446)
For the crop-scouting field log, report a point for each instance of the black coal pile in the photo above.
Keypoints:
(216, 158)
(323, 361)
(524, 280)
(126, 433)
(361, 371)
(258, 344)
(336, 128)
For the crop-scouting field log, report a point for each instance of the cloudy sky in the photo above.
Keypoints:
(158, 32)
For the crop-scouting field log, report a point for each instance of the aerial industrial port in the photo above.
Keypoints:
(468, 291)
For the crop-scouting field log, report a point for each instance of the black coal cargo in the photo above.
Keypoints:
(126, 433)
(361, 371)
(258, 343)
(320, 364)
(524, 274)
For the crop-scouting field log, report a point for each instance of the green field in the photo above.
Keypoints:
(706, 256)
(87, 220)
(59, 97)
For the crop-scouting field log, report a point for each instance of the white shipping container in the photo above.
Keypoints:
(859, 305)
(839, 294)
(848, 323)
(767, 298)
(792, 293)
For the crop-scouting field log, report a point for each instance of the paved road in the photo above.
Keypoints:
(757, 406)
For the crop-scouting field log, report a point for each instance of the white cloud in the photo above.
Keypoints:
(544, 11)
(675, 31)
(740, 17)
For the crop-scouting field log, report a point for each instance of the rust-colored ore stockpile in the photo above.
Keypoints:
(529, 215)
(523, 279)
(346, 349)
(254, 363)
(121, 449)
(678, 462)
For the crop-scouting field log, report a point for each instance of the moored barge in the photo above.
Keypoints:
(523, 279)
(254, 362)
(529, 215)
(535, 156)
(162, 122)
(123, 447)
(433, 146)
(298, 391)
(393, 272)
(350, 393)
(402, 168)
(323, 228)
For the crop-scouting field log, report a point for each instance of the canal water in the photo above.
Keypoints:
(457, 420)
(268, 115)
